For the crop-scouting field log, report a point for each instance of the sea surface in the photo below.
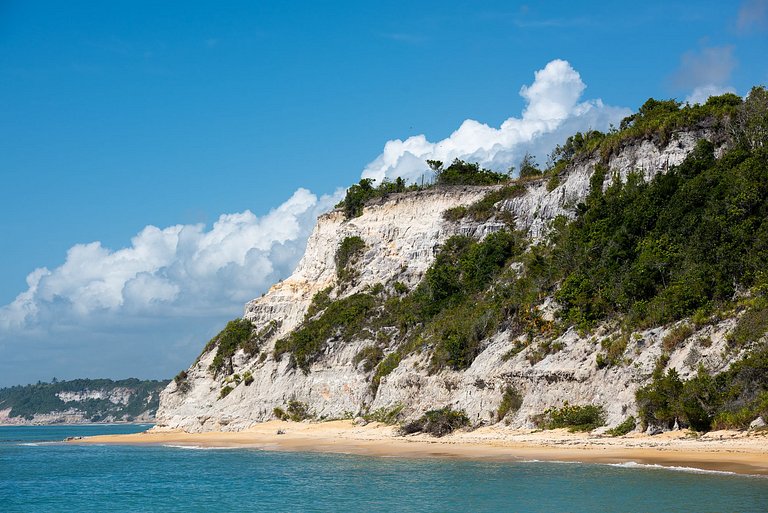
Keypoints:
(39, 474)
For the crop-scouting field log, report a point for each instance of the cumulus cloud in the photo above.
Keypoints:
(183, 270)
(552, 113)
(753, 14)
(145, 309)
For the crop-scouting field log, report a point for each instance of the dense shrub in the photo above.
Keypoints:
(370, 356)
(511, 401)
(465, 173)
(349, 251)
(227, 342)
(28, 400)
(384, 368)
(730, 399)
(751, 326)
(298, 411)
(485, 208)
(658, 251)
(574, 417)
(437, 422)
(385, 415)
(182, 382)
(224, 392)
(625, 427)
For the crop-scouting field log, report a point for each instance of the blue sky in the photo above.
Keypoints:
(117, 116)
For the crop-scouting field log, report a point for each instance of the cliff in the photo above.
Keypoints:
(402, 233)
(81, 400)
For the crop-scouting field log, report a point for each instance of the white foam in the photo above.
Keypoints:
(197, 447)
(693, 470)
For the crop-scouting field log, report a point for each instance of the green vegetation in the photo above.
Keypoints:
(400, 288)
(625, 427)
(297, 411)
(658, 251)
(182, 382)
(227, 342)
(386, 415)
(614, 351)
(437, 422)
(676, 336)
(656, 120)
(43, 398)
(359, 194)
(343, 318)
(465, 173)
(511, 401)
(528, 167)
(457, 173)
(386, 366)
(730, 399)
(370, 356)
(348, 253)
(751, 326)
(574, 417)
(690, 242)
(224, 392)
(485, 208)
(447, 309)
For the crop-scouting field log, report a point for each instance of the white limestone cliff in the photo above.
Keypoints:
(402, 234)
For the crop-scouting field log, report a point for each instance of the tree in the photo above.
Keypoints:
(528, 166)
(752, 119)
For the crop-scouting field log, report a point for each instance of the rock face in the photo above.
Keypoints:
(402, 234)
(118, 395)
(79, 401)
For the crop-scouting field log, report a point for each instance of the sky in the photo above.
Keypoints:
(163, 163)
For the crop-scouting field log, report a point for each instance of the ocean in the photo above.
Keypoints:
(38, 474)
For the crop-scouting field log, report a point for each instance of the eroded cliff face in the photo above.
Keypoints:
(402, 234)
(80, 405)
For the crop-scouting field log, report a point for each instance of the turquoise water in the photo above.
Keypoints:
(42, 477)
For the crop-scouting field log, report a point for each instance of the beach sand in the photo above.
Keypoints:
(743, 453)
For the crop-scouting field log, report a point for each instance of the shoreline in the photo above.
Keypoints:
(52, 424)
(723, 451)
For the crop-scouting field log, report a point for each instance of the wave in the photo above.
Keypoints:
(198, 447)
(39, 443)
(692, 470)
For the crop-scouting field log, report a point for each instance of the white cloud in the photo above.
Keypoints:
(146, 309)
(552, 113)
(700, 94)
(705, 73)
(182, 268)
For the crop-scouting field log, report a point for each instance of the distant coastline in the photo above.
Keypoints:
(721, 451)
(81, 401)
(104, 423)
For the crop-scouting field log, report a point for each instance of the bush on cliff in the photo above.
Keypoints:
(437, 422)
(730, 399)
(584, 417)
(234, 335)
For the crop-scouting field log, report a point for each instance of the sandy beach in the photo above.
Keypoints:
(729, 451)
